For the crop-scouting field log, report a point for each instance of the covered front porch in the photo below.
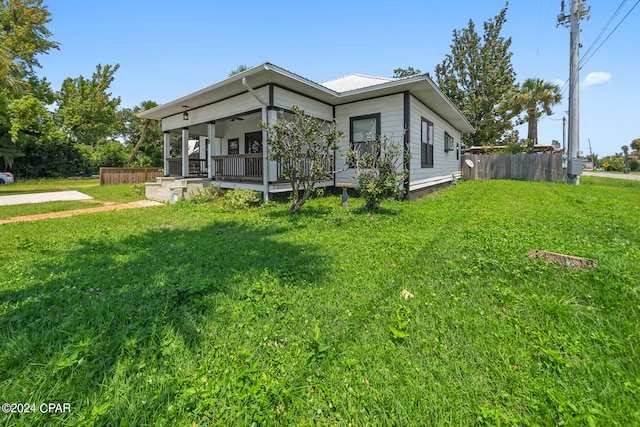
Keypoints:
(226, 150)
(229, 153)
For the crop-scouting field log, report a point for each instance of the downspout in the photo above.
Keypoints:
(265, 162)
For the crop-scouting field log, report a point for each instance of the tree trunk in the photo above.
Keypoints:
(532, 134)
(298, 201)
(143, 135)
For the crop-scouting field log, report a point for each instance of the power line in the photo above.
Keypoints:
(605, 27)
(586, 59)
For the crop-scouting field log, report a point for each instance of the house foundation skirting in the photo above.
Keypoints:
(416, 194)
(419, 189)
(171, 190)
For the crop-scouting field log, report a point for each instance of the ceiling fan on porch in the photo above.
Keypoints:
(237, 118)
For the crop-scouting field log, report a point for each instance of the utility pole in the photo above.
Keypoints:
(564, 135)
(577, 12)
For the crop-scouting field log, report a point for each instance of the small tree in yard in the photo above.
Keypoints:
(380, 170)
(304, 147)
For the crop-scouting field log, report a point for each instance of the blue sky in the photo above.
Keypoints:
(167, 49)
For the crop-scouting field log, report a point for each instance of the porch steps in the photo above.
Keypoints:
(170, 189)
(159, 191)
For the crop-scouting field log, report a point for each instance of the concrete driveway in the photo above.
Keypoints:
(53, 196)
(627, 176)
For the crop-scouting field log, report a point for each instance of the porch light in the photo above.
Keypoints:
(185, 115)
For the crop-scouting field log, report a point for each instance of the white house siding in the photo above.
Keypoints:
(391, 124)
(237, 129)
(286, 99)
(229, 107)
(444, 164)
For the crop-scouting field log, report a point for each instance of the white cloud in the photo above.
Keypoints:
(596, 78)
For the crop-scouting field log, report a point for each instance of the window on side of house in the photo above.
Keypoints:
(449, 145)
(426, 143)
(233, 146)
(363, 131)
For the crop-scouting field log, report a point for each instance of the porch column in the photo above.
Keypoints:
(265, 154)
(210, 163)
(185, 152)
(167, 152)
(273, 166)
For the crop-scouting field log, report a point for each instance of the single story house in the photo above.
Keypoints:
(232, 150)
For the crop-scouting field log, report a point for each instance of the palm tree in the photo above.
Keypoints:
(532, 95)
(238, 70)
(11, 73)
(625, 150)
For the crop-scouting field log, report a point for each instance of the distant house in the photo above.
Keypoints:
(232, 152)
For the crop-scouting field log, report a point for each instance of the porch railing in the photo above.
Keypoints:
(175, 166)
(236, 166)
(329, 165)
(239, 166)
(197, 167)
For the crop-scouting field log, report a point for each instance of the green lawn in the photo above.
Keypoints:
(194, 315)
(101, 193)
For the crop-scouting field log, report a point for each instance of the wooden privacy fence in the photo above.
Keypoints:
(522, 166)
(109, 176)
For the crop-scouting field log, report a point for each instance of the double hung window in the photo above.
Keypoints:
(364, 131)
(449, 145)
(426, 143)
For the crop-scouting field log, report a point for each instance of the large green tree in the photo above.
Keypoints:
(144, 136)
(478, 77)
(635, 145)
(400, 72)
(23, 31)
(23, 36)
(86, 109)
(535, 97)
(41, 147)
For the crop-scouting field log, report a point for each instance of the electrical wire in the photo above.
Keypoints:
(597, 39)
(585, 58)
(588, 54)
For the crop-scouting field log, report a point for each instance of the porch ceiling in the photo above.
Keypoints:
(202, 129)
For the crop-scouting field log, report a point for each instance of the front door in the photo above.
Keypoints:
(253, 142)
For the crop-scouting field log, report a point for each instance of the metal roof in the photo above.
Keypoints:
(355, 81)
(346, 89)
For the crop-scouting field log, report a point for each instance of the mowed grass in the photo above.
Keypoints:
(101, 194)
(426, 313)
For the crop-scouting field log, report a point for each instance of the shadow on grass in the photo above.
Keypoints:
(66, 331)
(304, 214)
(380, 211)
(307, 213)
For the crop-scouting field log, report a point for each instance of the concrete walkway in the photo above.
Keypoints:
(628, 176)
(54, 196)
